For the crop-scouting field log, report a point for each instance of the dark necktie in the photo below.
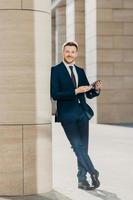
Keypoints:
(73, 76)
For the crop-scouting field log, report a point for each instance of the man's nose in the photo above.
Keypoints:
(70, 54)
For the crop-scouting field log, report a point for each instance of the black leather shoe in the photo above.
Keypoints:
(95, 181)
(84, 185)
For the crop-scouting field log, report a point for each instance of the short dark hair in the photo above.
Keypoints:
(75, 44)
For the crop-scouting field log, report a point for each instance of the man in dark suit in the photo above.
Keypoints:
(69, 85)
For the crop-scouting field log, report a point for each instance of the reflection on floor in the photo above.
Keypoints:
(53, 195)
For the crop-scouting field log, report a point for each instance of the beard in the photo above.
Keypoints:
(69, 62)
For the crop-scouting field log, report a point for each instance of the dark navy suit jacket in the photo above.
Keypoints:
(63, 91)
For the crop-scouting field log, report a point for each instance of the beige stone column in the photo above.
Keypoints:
(60, 34)
(53, 39)
(75, 26)
(91, 48)
(25, 108)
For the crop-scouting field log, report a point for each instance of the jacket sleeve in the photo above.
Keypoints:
(92, 93)
(56, 92)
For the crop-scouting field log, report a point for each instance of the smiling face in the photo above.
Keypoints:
(70, 54)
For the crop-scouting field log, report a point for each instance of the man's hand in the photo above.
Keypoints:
(83, 89)
(98, 85)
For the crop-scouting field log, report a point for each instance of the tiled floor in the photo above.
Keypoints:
(111, 149)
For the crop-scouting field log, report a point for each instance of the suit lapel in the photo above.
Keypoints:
(65, 74)
(79, 75)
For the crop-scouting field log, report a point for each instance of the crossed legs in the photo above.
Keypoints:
(77, 134)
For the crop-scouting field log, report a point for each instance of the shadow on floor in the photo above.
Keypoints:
(104, 195)
(53, 195)
(128, 125)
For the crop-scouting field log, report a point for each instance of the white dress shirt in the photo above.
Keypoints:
(74, 71)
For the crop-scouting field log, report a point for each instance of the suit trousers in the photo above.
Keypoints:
(77, 133)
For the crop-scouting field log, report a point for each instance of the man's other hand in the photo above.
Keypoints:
(83, 89)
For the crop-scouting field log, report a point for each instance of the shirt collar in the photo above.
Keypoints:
(67, 65)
